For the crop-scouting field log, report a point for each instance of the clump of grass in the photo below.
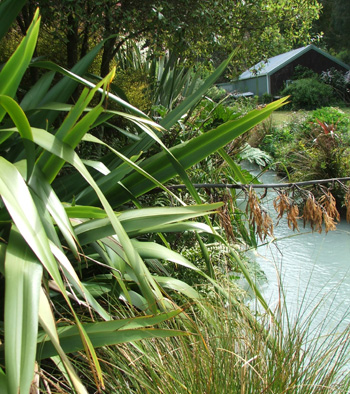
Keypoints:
(230, 351)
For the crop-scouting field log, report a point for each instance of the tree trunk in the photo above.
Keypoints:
(72, 41)
(24, 20)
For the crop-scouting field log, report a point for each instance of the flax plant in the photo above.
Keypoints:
(67, 241)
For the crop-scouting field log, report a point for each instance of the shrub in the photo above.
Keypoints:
(302, 72)
(344, 56)
(332, 117)
(136, 84)
(266, 98)
(309, 94)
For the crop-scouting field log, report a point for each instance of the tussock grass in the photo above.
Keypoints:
(229, 353)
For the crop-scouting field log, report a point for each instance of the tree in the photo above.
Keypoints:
(334, 23)
(198, 29)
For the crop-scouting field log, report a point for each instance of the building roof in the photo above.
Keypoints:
(277, 62)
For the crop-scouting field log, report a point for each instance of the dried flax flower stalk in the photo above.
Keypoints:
(330, 214)
(293, 216)
(327, 201)
(282, 203)
(347, 204)
(328, 222)
(313, 214)
(259, 219)
(322, 211)
(225, 217)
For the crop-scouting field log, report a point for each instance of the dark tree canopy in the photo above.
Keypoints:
(203, 30)
(334, 23)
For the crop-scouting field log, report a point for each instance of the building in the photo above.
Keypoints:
(272, 75)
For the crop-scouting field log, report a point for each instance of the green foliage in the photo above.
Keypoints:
(334, 24)
(61, 261)
(302, 72)
(216, 94)
(344, 56)
(309, 94)
(313, 146)
(137, 86)
(333, 117)
(266, 98)
(71, 241)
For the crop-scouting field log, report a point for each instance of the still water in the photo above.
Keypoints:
(313, 269)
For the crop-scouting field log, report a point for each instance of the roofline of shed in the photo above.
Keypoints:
(307, 49)
(296, 56)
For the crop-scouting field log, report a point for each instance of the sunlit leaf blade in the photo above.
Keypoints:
(21, 207)
(234, 167)
(152, 250)
(19, 119)
(47, 322)
(47, 195)
(97, 165)
(177, 285)
(81, 211)
(175, 228)
(148, 286)
(109, 333)
(73, 344)
(14, 69)
(23, 275)
(139, 221)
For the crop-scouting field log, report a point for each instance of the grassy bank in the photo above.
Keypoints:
(228, 352)
(279, 117)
